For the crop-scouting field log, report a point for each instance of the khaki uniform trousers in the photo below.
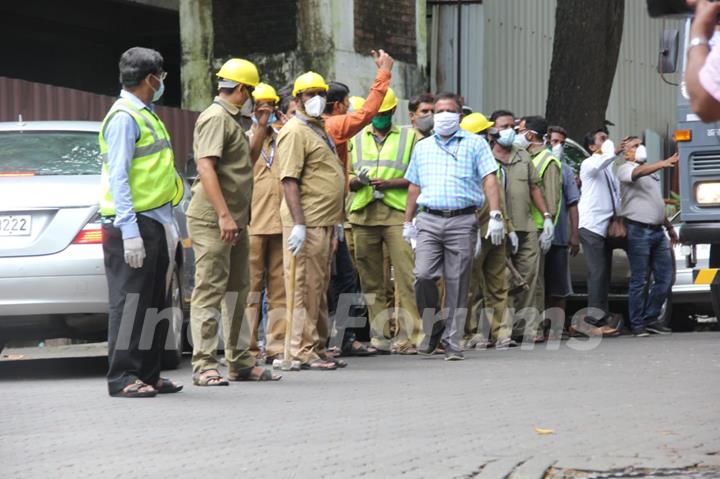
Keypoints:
(369, 242)
(526, 262)
(221, 289)
(267, 272)
(312, 278)
(489, 294)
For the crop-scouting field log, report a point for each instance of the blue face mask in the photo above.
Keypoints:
(159, 92)
(273, 118)
(507, 137)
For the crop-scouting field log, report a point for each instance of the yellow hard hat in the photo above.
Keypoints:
(237, 70)
(475, 123)
(357, 102)
(263, 91)
(389, 102)
(309, 80)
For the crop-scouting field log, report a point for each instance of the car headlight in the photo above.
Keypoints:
(708, 193)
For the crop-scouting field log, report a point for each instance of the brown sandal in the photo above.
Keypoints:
(247, 375)
(319, 365)
(134, 391)
(202, 378)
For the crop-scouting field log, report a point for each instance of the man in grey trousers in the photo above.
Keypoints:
(448, 172)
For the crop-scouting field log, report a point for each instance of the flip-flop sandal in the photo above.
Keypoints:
(407, 351)
(319, 365)
(165, 386)
(361, 351)
(338, 362)
(202, 379)
(134, 391)
(247, 375)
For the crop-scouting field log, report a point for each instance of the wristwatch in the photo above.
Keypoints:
(547, 215)
(496, 216)
(696, 41)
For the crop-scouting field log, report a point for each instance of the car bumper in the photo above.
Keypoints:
(70, 282)
(684, 291)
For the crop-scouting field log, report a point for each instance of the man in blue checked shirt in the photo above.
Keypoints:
(448, 172)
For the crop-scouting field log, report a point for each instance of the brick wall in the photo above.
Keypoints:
(254, 26)
(389, 25)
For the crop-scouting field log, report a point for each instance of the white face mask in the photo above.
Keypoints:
(446, 123)
(315, 106)
(247, 108)
(641, 154)
(557, 150)
(521, 142)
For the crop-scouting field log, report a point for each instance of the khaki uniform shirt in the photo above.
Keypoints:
(219, 134)
(304, 155)
(267, 191)
(519, 175)
(484, 212)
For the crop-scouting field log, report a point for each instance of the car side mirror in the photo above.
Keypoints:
(668, 54)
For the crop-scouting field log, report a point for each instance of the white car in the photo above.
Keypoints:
(52, 275)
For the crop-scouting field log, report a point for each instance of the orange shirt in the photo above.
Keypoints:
(342, 128)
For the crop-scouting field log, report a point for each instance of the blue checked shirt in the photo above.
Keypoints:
(450, 173)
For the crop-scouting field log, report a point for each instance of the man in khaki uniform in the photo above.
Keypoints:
(549, 169)
(217, 221)
(313, 185)
(266, 249)
(521, 180)
(489, 279)
(380, 155)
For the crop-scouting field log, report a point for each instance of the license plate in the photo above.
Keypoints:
(15, 225)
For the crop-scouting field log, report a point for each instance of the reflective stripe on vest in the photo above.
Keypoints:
(153, 180)
(541, 162)
(383, 169)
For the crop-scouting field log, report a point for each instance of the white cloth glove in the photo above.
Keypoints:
(410, 233)
(514, 242)
(496, 229)
(364, 176)
(545, 243)
(296, 239)
(134, 251)
(549, 228)
(478, 245)
(340, 233)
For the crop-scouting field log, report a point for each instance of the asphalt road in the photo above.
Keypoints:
(628, 403)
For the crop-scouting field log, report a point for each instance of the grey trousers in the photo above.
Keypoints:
(598, 258)
(445, 248)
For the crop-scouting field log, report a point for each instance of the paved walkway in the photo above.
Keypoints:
(651, 402)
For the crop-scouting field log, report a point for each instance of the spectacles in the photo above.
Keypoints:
(250, 89)
(317, 93)
(162, 76)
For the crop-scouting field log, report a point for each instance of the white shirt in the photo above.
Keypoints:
(596, 200)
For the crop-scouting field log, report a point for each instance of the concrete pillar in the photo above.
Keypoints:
(196, 38)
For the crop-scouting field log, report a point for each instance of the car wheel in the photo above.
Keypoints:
(171, 357)
(683, 320)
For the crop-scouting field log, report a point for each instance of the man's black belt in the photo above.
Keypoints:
(644, 225)
(450, 213)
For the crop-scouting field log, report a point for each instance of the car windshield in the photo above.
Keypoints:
(50, 152)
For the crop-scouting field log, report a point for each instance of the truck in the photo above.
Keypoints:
(698, 145)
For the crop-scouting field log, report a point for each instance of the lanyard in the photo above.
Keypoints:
(453, 154)
(269, 160)
(328, 141)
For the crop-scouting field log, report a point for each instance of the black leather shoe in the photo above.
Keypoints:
(430, 343)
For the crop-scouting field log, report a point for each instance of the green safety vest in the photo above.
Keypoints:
(152, 176)
(387, 164)
(541, 161)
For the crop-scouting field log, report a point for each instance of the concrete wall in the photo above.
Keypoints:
(326, 43)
